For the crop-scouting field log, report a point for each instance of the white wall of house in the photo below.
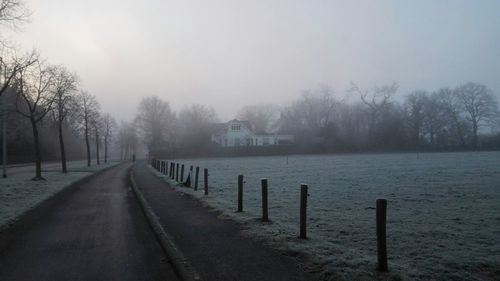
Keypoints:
(236, 133)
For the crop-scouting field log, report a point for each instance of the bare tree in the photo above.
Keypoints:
(433, 118)
(109, 124)
(378, 101)
(480, 106)
(414, 106)
(195, 127)
(65, 102)
(13, 13)
(97, 127)
(452, 113)
(261, 117)
(10, 67)
(156, 120)
(35, 88)
(89, 107)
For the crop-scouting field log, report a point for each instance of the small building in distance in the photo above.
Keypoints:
(240, 133)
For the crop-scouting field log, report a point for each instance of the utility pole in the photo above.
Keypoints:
(4, 135)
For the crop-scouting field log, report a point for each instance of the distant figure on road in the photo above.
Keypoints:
(133, 157)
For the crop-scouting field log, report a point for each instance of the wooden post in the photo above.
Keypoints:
(173, 170)
(166, 168)
(205, 175)
(177, 172)
(264, 200)
(240, 193)
(182, 172)
(303, 211)
(381, 234)
(162, 167)
(191, 174)
(196, 178)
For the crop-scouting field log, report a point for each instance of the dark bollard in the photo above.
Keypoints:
(240, 193)
(381, 235)
(191, 175)
(205, 175)
(303, 211)
(182, 172)
(177, 172)
(196, 178)
(263, 183)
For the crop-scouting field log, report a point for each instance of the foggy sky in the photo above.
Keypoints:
(226, 54)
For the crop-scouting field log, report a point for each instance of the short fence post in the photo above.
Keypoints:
(240, 193)
(381, 234)
(182, 172)
(163, 167)
(196, 178)
(303, 211)
(177, 172)
(191, 175)
(173, 170)
(264, 200)
(166, 168)
(205, 175)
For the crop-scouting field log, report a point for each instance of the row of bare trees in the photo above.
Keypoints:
(377, 119)
(43, 94)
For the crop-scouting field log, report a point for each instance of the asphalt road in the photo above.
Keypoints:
(215, 248)
(92, 231)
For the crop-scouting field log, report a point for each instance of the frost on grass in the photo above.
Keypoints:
(18, 193)
(443, 210)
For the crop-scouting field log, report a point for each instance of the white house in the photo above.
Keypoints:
(241, 133)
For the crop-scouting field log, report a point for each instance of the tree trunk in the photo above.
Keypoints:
(474, 134)
(87, 143)
(105, 149)
(63, 151)
(38, 156)
(97, 147)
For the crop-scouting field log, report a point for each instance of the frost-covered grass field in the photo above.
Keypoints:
(18, 193)
(443, 210)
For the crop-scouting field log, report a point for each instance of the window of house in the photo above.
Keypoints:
(265, 141)
(235, 127)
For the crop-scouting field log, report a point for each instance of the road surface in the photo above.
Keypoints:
(215, 248)
(93, 231)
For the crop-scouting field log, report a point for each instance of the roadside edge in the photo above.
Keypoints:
(181, 264)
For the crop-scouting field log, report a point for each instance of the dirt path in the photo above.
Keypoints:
(214, 247)
(93, 231)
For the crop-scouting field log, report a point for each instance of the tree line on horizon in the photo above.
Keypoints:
(462, 118)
